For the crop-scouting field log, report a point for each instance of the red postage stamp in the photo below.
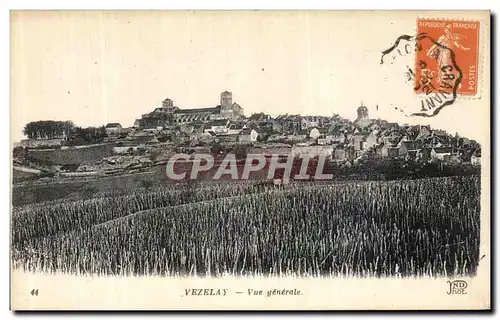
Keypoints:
(449, 61)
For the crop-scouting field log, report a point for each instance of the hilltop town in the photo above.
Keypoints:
(55, 148)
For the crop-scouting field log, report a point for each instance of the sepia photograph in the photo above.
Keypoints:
(250, 160)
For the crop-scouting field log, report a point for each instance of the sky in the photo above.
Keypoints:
(96, 67)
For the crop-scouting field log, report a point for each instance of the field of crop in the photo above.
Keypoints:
(427, 227)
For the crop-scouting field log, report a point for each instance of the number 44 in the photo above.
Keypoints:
(34, 292)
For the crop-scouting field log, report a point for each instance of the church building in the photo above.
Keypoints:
(169, 114)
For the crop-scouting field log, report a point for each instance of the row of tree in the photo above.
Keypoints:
(48, 129)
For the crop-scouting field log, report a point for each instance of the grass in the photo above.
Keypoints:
(427, 227)
(56, 216)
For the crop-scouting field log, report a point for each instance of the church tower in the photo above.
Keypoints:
(363, 119)
(226, 104)
(362, 112)
(226, 99)
(168, 105)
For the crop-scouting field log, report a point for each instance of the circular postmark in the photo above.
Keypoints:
(429, 69)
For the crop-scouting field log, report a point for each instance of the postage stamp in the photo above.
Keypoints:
(441, 63)
(452, 42)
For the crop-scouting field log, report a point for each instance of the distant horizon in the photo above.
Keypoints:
(274, 116)
(99, 67)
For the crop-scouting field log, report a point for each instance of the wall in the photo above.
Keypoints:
(313, 151)
(124, 150)
(270, 151)
(40, 143)
(71, 155)
(245, 138)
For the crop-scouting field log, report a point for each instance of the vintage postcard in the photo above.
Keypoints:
(250, 160)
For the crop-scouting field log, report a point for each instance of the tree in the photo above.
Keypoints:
(48, 129)
(84, 136)
(19, 153)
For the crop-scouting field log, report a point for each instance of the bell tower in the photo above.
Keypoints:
(226, 104)
(168, 105)
(363, 119)
(226, 99)
(362, 112)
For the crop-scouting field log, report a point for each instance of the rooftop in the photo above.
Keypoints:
(113, 125)
(199, 110)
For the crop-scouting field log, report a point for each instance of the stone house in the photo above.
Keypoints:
(248, 135)
(322, 140)
(382, 149)
(314, 133)
(308, 122)
(441, 152)
(235, 128)
(220, 126)
(433, 153)
(362, 141)
(338, 137)
(369, 141)
(113, 128)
